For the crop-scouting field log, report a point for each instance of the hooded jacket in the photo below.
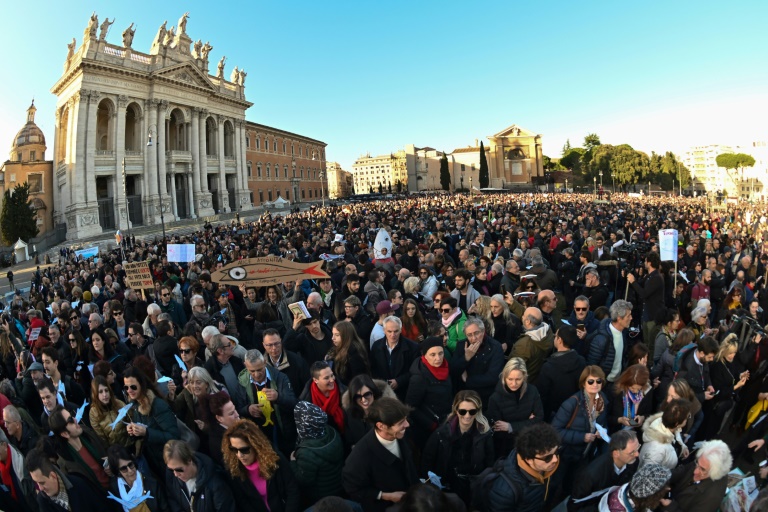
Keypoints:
(545, 278)
(658, 443)
(318, 465)
(531, 495)
(534, 347)
(212, 493)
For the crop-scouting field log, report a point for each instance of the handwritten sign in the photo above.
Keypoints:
(668, 244)
(267, 271)
(181, 253)
(137, 276)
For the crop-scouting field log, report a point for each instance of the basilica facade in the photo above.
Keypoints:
(144, 136)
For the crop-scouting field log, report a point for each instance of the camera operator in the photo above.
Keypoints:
(651, 293)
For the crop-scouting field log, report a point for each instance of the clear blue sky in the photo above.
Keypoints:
(374, 76)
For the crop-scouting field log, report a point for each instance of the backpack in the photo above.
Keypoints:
(483, 483)
(679, 357)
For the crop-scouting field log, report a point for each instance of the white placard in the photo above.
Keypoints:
(181, 253)
(668, 244)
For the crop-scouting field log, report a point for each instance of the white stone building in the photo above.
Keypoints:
(155, 127)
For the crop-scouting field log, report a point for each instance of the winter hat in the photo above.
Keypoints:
(36, 367)
(649, 479)
(386, 307)
(432, 341)
(87, 296)
(310, 420)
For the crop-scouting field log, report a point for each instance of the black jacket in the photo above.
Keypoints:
(652, 294)
(165, 348)
(430, 398)
(600, 474)
(395, 365)
(704, 497)
(297, 370)
(559, 379)
(515, 408)
(214, 368)
(158, 502)
(82, 497)
(212, 494)
(371, 469)
(696, 375)
(282, 491)
(483, 369)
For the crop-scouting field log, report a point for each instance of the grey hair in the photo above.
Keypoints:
(621, 439)
(7, 388)
(582, 298)
(703, 303)
(473, 320)
(719, 456)
(154, 309)
(620, 309)
(217, 342)
(209, 330)
(411, 285)
(394, 320)
(195, 298)
(253, 356)
(518, 253)
(497, 268)
(698, 312)
(200, 373)
(537, 260)
(13, 413)
(534, 320)
(3, 437)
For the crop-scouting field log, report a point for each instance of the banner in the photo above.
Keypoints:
(668, 244)
(90, 252)
(138, 276)
(181, 253)
(267, 271)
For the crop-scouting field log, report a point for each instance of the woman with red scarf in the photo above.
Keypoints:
(325, 392)
(430, 391)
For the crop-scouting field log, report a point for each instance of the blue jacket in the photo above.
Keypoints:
(529, 496)
(601, 350)
(573, 435)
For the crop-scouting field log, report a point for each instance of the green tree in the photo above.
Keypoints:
(566, 147)
(484, 178)
(445, 174)
(591, 141)
(17, 220)
(628, 165)
(572, 160)
(552, 164)
(735, 161)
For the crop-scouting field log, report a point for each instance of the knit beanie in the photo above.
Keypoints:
(432, 341)
(649, 479)
(310, 420)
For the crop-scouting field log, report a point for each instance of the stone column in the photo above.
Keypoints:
(223, 196)
(150, 173)
(122, 200)
(88, 178)
(174, 205)
(161, 166)
(203, 152)
(188, 178)
(196, 153)
(204, 206)
(238, 162)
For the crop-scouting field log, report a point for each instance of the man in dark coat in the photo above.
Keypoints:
(651, 292)
(392, 357)
(701, 484)
(225, 368)
(380, 468)
(559, 376)
(166, 345)
(614, 468)
(52, 482)
(478, 360)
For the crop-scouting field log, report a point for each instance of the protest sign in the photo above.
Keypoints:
(138, 276)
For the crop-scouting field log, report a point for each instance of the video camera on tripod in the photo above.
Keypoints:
(746, 327)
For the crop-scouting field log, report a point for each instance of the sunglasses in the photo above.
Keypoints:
(580, 309)
(548, 458)
(185, 350)
(165, 294)
(177, 470)
(128, 467)
(367, 396)
(132, 387)
(593, 381)
(245, 450)
(464, 412)
(445, 310)
(73, 340)
(117, 313)
(72, 420)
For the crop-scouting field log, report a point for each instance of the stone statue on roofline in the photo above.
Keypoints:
(234, 76)
(71, 48)
(206, 50)
(183, 23)
(93, 23)
(243, 74)
(169, 36)
(128, 36)
(105, 28)
(220, 67)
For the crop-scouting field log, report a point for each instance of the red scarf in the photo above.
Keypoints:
(5, 472)
(440, 373)
(331, 405)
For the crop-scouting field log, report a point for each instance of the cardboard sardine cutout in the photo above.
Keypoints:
(266, 408)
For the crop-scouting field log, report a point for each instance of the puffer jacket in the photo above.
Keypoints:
(430, 398)
(514, 407)
(573, 435)
(100, 424)
(212, 493)
(601, 349)
(318, 465)
(455, 333)
(534, 347)
(658, 443)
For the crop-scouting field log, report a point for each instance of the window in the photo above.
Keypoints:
(266, 145)
(247, 141)
(35, 183)
(258, 171)
(284, 147)
(261, 196)
(269, 195)
(292, 151)
(250, 194)
(462, 167)
(250, 172)
(301, 173)
(267, 170)
(285, 171)
(302, 194)
(274, 145)
(258, 143)
(287, 194)
(32, 156)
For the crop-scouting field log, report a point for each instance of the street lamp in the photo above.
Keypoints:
(601, 179)
(159, 187)
(470, 188)
(322, 179)
(566, 185)
(613, 179)
(462, 180)
(125, 194)
(594, 179)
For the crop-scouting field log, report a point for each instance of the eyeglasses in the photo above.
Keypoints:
(226, 346)
(128, 467)
(581, 309)
(245, 450)
(132, 387)
(473, 334)
(464, 412)
(74, 318)
(350, 307)
(271, 345)
(548, 458)
(185, 350)
(367, 396)
(593, 381)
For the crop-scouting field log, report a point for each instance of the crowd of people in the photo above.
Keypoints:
(506, 352)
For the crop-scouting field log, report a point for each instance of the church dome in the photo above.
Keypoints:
(30, 133)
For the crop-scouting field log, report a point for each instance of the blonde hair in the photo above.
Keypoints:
(483, 310)
(730, 343)
(515, 363)
(468, 395)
